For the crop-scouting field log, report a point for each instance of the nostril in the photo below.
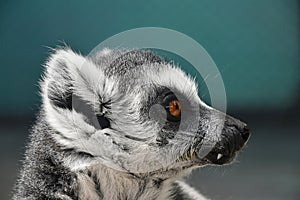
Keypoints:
(245, 133)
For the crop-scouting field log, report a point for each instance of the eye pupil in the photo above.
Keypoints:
(175, 108)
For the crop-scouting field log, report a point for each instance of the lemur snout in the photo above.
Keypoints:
(234, 136)
(241, 129)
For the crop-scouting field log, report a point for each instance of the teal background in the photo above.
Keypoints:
(255, 44)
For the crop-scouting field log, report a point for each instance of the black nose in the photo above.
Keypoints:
(245, 133)
(236, 132)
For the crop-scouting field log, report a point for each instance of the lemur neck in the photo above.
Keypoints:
(100, 182)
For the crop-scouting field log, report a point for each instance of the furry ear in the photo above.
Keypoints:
(73, 91)
(59, 77)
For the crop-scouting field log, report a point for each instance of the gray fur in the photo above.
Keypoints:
(132, 154)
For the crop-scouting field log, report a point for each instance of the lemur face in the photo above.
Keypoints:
(135, 112)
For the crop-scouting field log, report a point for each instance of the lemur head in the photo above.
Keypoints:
(134, 112)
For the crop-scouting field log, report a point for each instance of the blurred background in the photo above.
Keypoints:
(255, 44)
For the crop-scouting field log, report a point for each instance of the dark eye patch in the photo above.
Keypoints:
(168, 100)
(158, 110)
(172, 107)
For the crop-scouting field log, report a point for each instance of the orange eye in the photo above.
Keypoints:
(175, 108)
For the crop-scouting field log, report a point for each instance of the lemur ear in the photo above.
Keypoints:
(73, 89)
(59, 77)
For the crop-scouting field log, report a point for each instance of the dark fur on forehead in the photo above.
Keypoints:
(131, 60)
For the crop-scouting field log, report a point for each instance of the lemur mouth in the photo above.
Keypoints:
(214, 157)
(220, 157)
(226, 150)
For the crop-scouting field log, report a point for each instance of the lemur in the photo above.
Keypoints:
(122, 124)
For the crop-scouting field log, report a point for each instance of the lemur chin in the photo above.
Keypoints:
(122, 124)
